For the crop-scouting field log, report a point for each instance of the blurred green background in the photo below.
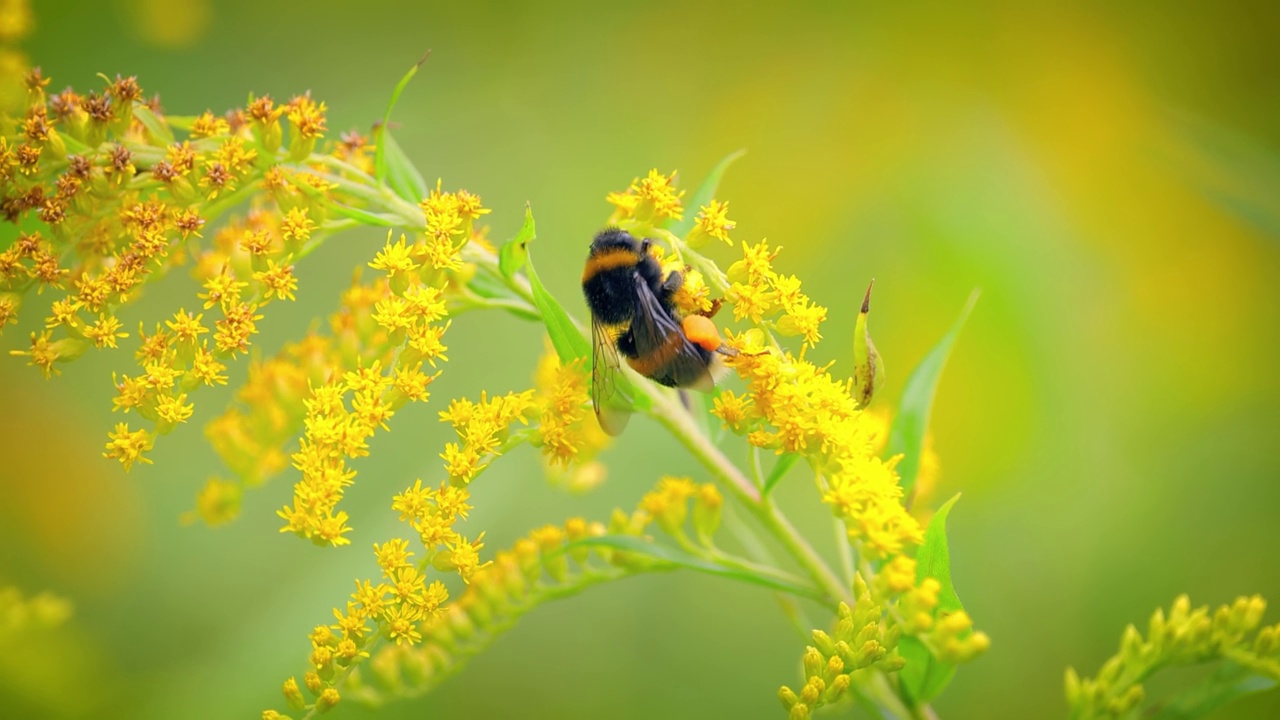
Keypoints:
(1108, 176)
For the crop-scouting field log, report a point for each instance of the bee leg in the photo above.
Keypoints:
(673, 282)
(715, 308)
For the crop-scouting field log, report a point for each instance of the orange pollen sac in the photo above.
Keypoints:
(701, 331)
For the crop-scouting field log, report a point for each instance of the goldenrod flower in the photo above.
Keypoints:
(648, 201)
(712, 222)
(105, 331)
(128, 446)
(209, 125)
(567, 430)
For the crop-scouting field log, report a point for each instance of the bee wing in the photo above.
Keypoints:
(661, 343)
(604, 370)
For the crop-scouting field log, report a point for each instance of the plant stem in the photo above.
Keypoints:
(682, 426)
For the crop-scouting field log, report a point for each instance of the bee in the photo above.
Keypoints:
(633, 315)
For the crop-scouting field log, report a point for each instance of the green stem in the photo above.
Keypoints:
(682, 426)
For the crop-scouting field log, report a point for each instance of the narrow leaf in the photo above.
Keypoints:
(181, 122)
(679, 558)
(705, 193)
(1228, 683)
(380, 152)
(514, 253)
(906, 437)
(924, 676)
(364, 216)
(568, 340)
(159, 131)
(402, 176)
(779, 471)
(566, 337)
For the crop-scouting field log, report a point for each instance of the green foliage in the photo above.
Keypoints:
(1247, 656)
(911, 423)
(390, 163)
(666, 557)
(925, 676)
(705, 193)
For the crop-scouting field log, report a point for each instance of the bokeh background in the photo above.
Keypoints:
(1109, 177)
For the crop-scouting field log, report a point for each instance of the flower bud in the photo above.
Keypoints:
(868, 369)
(788, 697)
(293, 695)
(824, 643)
(328, 699)
(813, 662)
(313, 682)
(706, 512)
(838, 687)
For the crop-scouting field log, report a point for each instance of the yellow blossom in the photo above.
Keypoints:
(402, 624)
(712, 222)
(651, 199)
(209, 125)
(307, 117)
(104, 331)
(222, 290)
(394, 259)
(128, 446)
(277, 280)
(296, 226)
(186, 327)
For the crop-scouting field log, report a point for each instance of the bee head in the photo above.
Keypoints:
(613, 239)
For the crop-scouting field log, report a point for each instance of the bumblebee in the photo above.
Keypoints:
(633, 315)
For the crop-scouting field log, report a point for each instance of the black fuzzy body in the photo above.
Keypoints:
(611, 293)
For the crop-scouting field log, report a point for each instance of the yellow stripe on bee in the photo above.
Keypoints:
(603, 262)
(648, 365)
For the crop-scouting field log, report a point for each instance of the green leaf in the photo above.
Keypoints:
(181, 122)
(906, 436)
(924, 676)
(402, 177)
(706, 193)
(568, 340)
(1228, 683)
(364, 216)
(515, 252)
(779, 471)
(159, 131)
(679, 558)
(380, 166)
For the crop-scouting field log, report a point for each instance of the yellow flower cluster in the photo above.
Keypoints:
(863, 637)
(759, 294)
(450, 224)
(393, 322)
(120, 201)
(792, 405)
(407, 330)
(19, 614)
(568, 433)
(1184, 636)
(542, 566)
(668, 505)
(712, 223)
(484, 430)
(402, 603)
(648, 202)
(537, 568)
